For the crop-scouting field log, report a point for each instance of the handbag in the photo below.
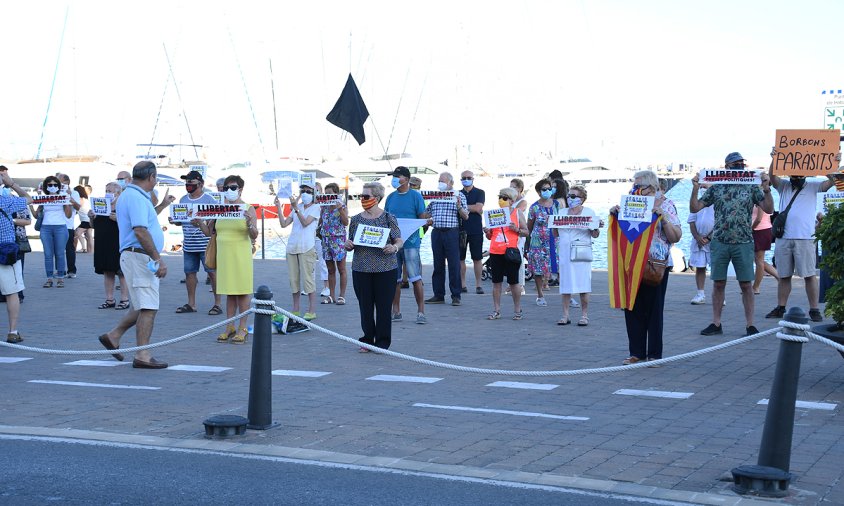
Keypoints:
(513, 255)
(778, 221)
(211, 250)
(654, 271)
(39, 219)
(581, 251)
(23, 244)
(9, 253)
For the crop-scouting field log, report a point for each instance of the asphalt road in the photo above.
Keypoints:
(51, 470)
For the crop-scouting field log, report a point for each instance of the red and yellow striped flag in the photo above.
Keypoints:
(628, 248)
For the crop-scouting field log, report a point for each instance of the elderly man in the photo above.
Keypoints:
(444, 215)
(141, 242)
(732, 239)
(473, 228)
(11, 276)
(124, 179)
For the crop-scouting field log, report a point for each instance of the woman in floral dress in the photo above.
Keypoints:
(538, 247)
(332, 228)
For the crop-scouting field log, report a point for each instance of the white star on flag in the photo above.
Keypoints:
(634, 225)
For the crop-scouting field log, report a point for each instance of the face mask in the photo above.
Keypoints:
(442, 187)
(503, 203)
(368, 203)
(122, 183)
(797, 182)
(52, 189)
(191, 187)
(6, 191)
(547, 194)
(575, 201)
(395, 183)
(466, 182)
(231, 195)
(307, 198)
(636, 190)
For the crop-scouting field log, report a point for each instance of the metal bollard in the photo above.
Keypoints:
(260, 377)
(770, 477)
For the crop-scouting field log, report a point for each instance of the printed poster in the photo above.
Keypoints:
(101, 206)
(437, 196)
(497, 218)
(50, 200)
(636, 208)
(308, 179)
(729, 176)
(219, 211)
(829, 199)
(180, 213)
(374, 237)
(327, 199)
(575, 221)
(202, 169)
(284, 190)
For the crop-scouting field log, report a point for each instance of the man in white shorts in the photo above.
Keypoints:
(701, 225)
(11, 276)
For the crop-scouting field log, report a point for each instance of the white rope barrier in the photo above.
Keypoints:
(826, 341)
(797, 338)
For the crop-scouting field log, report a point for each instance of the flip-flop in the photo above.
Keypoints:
(584, 321)
(340, 301)
(107, 345)
(563, 321)
(214, 311)
(185, 309)
(327, 300)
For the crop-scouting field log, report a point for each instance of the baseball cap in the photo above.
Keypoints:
(194, 174)
(401, 171)
(733, 157)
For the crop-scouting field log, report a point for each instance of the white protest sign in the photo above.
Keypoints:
(101, 206)
(285, 188)
(409, 226)
(636, 208)
(497, 218)
(219, 211)
(374, 237)
(574, 221)
(437, 196)
(202, 169)
(307, 179)
(327, 199)
(729, 176)
(180, 213)
(50, 200)
(829, 199)
(217, 196)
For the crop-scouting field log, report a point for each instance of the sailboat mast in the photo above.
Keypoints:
(275, 117)
(52, 86)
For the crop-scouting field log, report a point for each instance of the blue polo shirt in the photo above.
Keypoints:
(409, 204)
(135, 209)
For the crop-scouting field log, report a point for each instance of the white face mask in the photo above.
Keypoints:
(307, 198)
(232, 195)
(442, 186)
(52, 189)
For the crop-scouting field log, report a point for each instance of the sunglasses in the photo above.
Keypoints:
(308, 191)
(504, 197)
(574, 196)
(232, 187)
(365, 196)
(545, 189)
(468, 179)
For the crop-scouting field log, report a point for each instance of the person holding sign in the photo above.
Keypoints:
(500, 239)
(107, 251)
(333, 221)
(445, 241)
(374, 266)
(54, 234)
(732, 239)
(574, 245)
(538, 246)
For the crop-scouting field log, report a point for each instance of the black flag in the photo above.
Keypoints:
(350, 112)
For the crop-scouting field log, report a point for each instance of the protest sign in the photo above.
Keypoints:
(327, 199)
(437, 196)
(409, 226)
(375, 237)
(101, 206)
(50, 200)
(574, 221)
(806, 152)
(308, 179)
(636, 208)
(202, 169)
(217, 196)
(829, 199)
(285, 188)
(219, 211)
(180, 213)
(497, 218)
(729, 176)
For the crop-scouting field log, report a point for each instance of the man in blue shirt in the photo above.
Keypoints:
(407, 203)
(141, 241)
(473, 228)
(11, 276)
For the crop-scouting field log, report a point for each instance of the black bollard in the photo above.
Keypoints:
(260, 378)
(770, 477)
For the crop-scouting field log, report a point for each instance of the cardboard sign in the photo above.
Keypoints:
(829, 199)
(202, 169)
(101, 206)
(307, 179)
(374, 237)
(284, 189)
(497, 218)
(729, 176)
(50, 200)
(437, 196)
(217, 196)
(806, 152)
(327, 199)
(574, 221)
(180, 213)
(219, 211)
(636, 208)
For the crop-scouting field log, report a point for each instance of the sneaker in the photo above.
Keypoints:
(541, 302)
(479, 290)
(464, 290)
(815, 315)
(777, 312)
(71, 275)
(309, 316)
(455, 301)
(711, 330)
(420, 319)
(435, 300)
(631, 360)
(574, 303)
(699, 299)
(751, 330)
(396, 317)
(325, 292)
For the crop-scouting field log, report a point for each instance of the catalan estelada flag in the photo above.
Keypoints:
(628, 248)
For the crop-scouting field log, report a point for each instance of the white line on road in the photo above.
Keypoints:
(501, 412)
(826, 406)
(654, 393)
(97, 363)
(300, 374)
(522, 385)
(97, 385)
(405, 379)
(197, 368)
(12, 360)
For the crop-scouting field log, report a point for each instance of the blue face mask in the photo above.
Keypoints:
(6, 191)
(122, 183)
(395, 183)
(575, 201)
(547, 194)
(466, 182)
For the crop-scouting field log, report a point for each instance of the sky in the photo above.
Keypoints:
(631, 82)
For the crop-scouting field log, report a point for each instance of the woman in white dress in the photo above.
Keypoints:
(574, 248)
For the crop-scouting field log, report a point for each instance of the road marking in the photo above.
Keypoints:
(654, 393)
(522, 385)
(501, 412)
(97, 363)
(405, 379)
(197, 368)
(826, 406)
(12, 360)
(97, 385)
(300, 374)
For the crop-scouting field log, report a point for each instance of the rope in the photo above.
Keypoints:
(797, 337)
(129, 350)
(504, 372)
(825, 341)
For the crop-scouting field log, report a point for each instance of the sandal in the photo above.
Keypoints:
(584, 321)
(228, 334)
(124, 304)
(108, 304)
(48, 284)
(518, 315)
(495, 315)
(563, 321)
(214, 311)
(60, 283)
(185, 309)
(327, 300)
(340, 301)
(240, 336)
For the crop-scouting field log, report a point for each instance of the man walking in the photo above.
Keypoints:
(443, 215)
(141, 241)
(732, 239)
(473, 228)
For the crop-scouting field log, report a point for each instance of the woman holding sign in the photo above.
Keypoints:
(107, 251)
(375, 237)
(54, 233)
(332, 227)
(502, 264)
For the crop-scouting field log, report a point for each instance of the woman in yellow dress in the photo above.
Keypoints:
(234, 260)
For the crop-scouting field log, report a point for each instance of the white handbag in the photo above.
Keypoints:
(581, 251)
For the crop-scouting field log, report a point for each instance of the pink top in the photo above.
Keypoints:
(765, 222)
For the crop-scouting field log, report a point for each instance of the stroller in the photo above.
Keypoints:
(486, 273)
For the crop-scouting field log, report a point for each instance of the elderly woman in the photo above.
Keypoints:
(374, 268)
(500, 239)
(301, 247)
(644, 321)
(538, 247)
(521, 204)
(107, 251)
(575, 257)
(332, 227)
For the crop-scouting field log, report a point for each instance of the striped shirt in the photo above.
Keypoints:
(444, 213)
(195, 241)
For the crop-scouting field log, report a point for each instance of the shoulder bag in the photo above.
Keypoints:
(654, 271)
(39, 218)
(778, 223)
(211, 250)
(513, 255)
(9, 251)
(581, 251)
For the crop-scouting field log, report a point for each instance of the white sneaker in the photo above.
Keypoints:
(325, 292)
(699, 299)
(574, 303)
(540, 301)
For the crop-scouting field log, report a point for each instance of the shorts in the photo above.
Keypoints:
(192, 260)
(502, 267)
(795, 256)
(699, 257)
(476, 247)
(11, 278)
(141, 282)
(741, 255)
(84, 225)
(300, 268)
(762, 239)
(413, 263)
